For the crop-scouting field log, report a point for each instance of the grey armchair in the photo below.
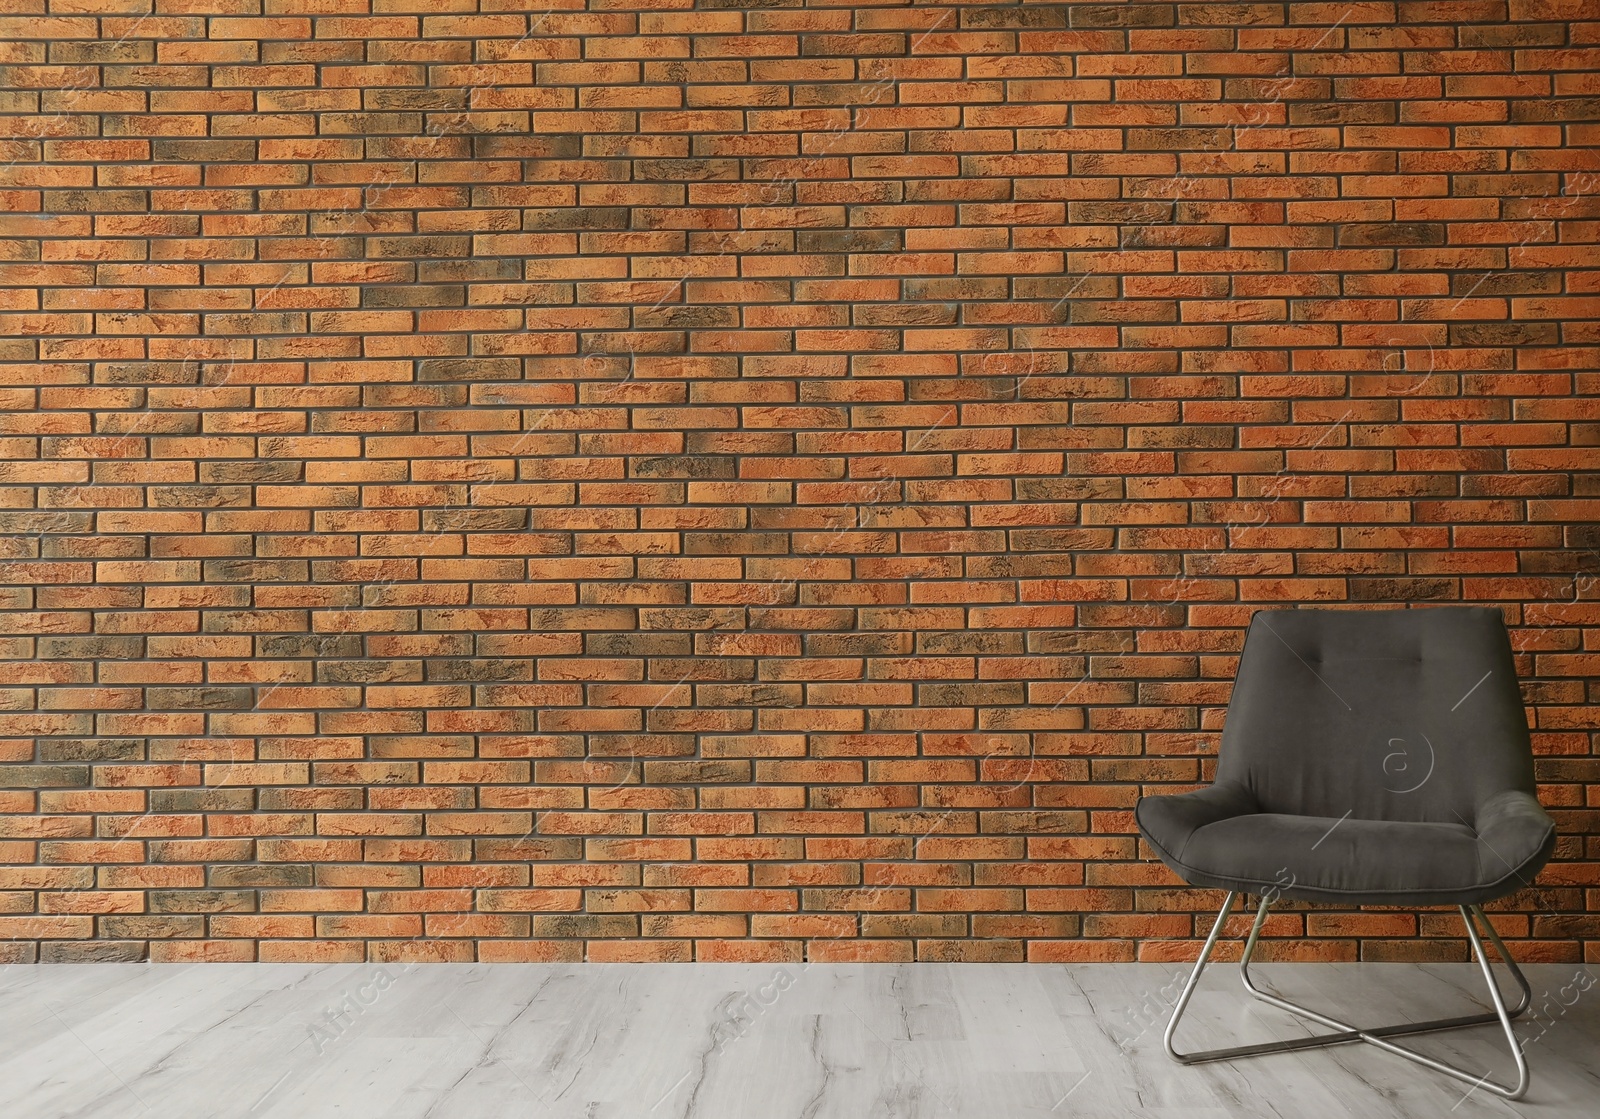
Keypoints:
(1368, 758)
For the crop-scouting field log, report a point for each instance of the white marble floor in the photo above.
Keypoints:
(819, 1041)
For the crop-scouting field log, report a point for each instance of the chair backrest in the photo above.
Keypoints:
(1408, 715)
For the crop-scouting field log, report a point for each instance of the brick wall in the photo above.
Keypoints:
(740, 479)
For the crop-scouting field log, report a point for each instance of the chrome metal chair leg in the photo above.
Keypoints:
(1194, 980)
(1505, 958)
(1346, 1033)
(1469, 1020)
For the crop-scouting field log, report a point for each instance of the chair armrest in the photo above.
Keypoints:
(1169, 821)
(1514, 828)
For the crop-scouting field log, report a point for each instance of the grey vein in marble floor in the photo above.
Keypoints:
(725, 1041)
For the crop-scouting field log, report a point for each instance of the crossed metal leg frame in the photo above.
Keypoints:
(1376, 1035)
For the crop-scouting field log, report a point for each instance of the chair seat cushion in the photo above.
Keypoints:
(1214, 838)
